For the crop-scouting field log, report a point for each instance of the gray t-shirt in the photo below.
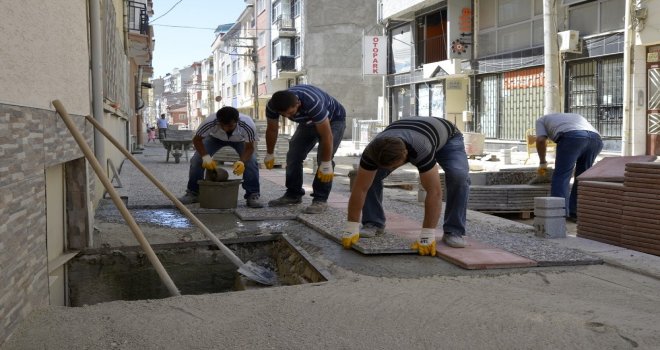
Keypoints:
(555, 124)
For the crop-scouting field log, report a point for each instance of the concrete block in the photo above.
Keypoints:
(550, 212)
(549, 202)
(550, 227)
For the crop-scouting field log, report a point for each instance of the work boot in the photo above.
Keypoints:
(189, 198)
(285, 200)
(370, 230)
(253, 201)
(454, 240)
(317, 207)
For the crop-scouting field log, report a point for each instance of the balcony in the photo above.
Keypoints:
(140, 34)
(285, 26)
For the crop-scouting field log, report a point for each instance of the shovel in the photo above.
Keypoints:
(250, 270)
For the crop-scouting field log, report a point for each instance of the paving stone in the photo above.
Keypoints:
(611, 168)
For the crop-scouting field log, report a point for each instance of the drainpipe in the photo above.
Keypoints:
(550, 58)
(626, 149)
(97, 76)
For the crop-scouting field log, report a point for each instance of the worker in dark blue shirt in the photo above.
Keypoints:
(424, 142)
(321, 119)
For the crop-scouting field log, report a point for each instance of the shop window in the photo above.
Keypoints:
(401, 48)
(431, 37)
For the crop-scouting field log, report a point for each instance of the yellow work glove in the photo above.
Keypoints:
(542, 169)
(239, 168)
(208, 163)
(325, 172)
(351, 234)
(425, 245)
(269, 161)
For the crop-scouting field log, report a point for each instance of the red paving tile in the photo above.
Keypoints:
(475, 256)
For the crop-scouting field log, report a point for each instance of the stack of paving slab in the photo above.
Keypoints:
(505, 191)
(641, 227)
(600, 211)
(618, 203)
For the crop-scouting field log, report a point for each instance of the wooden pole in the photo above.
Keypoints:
(98, 169)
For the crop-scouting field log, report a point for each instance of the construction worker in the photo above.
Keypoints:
(230, 128)
(424, 142)
(321, 119)
(578, 145)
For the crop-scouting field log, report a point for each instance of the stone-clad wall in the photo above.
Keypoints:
(30, 141)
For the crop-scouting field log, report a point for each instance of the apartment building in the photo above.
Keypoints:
(97, 60)
(483, 65)
(277, 44)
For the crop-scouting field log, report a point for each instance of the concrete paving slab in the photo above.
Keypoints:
(611, 168)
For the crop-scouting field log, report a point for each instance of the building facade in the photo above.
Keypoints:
(484, 64)
(47, 190)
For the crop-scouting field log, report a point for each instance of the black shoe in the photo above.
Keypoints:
(285, 200)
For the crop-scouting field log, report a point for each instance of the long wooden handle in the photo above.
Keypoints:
(226, 251)
(89, 154)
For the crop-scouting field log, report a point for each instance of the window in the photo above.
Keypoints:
(509, 25)
(261, 40)
(295, 8)
(277, 11)
(296, 47)
(260, 6)
(401, 47)
(262, 74)
(431, 37)
(401, 102)
(597, 17)
(282, 47)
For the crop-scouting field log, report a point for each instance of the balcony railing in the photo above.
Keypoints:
(284, 23)
(286, 63)
(137, 17)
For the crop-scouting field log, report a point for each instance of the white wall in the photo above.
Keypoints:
(44, 54)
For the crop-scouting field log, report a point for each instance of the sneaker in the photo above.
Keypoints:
(370, 230)
(317, 207)
(285, 200)
(189, 198)
(454, 240)
(253, 201)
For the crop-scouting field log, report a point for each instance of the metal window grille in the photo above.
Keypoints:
(595, 91)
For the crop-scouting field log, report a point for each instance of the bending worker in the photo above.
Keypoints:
(578, 145)
(321, 118)
(424, 142)
(230, 128)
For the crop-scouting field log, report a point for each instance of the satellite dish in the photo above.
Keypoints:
(218, 98)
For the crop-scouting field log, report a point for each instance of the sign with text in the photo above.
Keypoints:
(459, 13)
(374, 55)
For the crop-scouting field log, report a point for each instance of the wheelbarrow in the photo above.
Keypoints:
(177, 148)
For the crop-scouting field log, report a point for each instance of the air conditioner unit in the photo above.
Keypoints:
(569, 41)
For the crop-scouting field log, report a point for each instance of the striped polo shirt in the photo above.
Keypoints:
(316, 106)
(423, 136)
(245, 130)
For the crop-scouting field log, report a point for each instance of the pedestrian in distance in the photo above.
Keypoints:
(321, 119)
(424, 142)
(230, 128)
(162, 127)
(151, 134)
(578, 145)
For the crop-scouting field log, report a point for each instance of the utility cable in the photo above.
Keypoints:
(168, 11)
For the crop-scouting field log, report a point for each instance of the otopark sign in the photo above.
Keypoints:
(374, 53)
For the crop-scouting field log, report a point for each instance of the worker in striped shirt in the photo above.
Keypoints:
(424, 142)
(321, 119)
(230, 128)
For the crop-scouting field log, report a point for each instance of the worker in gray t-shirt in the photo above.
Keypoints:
(578, 145)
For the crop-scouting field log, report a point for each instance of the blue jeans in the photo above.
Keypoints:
(453, 160)
(575, 150)
(212, 145)
(302, 142)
